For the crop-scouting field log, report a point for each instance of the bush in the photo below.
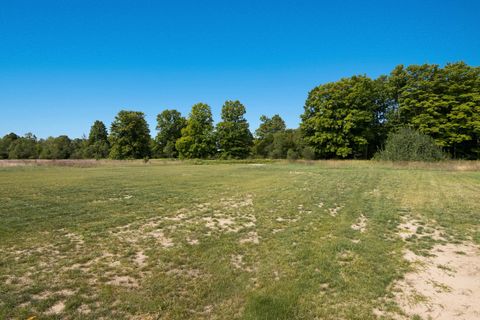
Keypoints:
(292, 154)
(410, 145)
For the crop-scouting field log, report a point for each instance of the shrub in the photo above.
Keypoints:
(292, 154)
(407, 144)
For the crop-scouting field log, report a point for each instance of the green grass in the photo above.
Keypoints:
(224, 241)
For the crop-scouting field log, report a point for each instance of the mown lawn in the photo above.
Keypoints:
(222, 241)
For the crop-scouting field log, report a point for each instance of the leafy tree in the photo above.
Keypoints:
(233, 135)
(129, 136)
(270, 126)
(443, 103)
(345, 118)
(197, 140)
(169, 125)
(98, 132)
(265, 134)
(56, 148)
(23, 147)
(98, 146)
(80, 148)
(5, 143)
(285, 143)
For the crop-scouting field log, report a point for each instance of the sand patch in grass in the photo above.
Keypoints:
(252, 237)
(445, 285)
(57, 308)
(360, 224)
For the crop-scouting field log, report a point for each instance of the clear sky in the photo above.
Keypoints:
(64, 64)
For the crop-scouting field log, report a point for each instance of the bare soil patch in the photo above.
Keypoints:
(445, 283)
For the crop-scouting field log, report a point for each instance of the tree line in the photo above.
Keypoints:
(349, 118)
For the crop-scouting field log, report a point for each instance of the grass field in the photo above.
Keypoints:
(325, 240)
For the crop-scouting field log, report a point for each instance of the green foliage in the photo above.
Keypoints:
(79, 149)
(273, 140)
(97, 146)
(344, 119)
(56, 148)
(270, 126)
(263, 144)
(23, 147)
(282, 142)
(98, 132)
(292, 154)
(197, 140)
(443, 103)
(234, 138)
(129, 136)
(410, 145)
(5, 143)
(169, 125)
(349, 118)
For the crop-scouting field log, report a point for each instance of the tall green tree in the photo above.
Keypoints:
(98, 144)
(197, 140)
(263, 144)
(129, 136)
(345, 119)
(5, 143)
(233, 135)
(169, 125)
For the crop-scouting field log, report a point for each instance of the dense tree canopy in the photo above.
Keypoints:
(197, 140)
(270, 126)
(98, 146)
(25, 147)
(129, 136)
(56, 148)
(5, 143)
(345, 118)
(443, 103)
(234, 138)
(169, 125)
(268, 129)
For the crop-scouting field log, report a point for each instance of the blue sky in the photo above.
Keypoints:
(65, 64)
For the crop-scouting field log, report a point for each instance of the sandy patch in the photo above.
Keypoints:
(412, 227)
(238, 263)
(185, 272)
(252, 237)
(140, 259)
(179, 217)
(192, 242)
(335, 210)
(162, 239)
(57, 308)
(302, 210)
(84, 309)
(235, 203)
(444, 286)
(360, 224)
(124, 281)
(280, 219)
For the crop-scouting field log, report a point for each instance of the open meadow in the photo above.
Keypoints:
(273, 240)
